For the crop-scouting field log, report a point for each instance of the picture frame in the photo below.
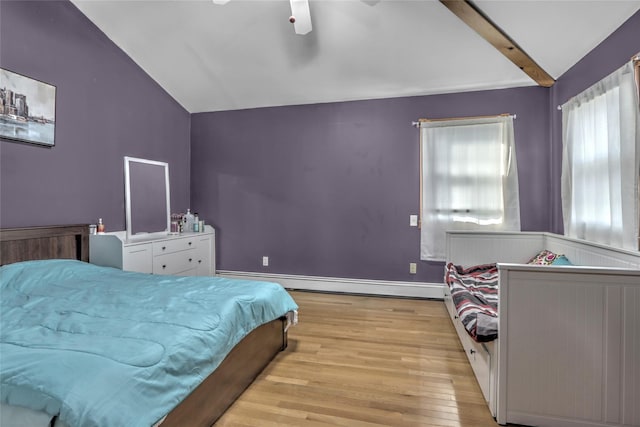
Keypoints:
(27, 109)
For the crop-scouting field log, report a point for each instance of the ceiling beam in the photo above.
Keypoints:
(474, 18)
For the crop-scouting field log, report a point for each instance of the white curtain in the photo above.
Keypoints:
(469, 179)
(600, 161)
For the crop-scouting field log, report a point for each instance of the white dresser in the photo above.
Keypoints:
(186, 254)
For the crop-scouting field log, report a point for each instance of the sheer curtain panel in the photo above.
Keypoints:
(600, 161)
(469, 179)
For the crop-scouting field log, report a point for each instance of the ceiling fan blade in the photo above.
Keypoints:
(300, 11)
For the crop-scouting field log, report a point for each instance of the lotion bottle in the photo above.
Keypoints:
(100, 226)
(188, 226)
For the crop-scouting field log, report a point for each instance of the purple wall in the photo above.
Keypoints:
(107, 107)
(321, 189)
(327, 189)
(607, 57)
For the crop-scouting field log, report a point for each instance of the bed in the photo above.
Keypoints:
(252, 344)
(567, 350)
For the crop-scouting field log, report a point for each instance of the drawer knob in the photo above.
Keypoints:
(190, 243)
(472, 351)
(164, 265)
(190, 259)
(164, 247)
(455, 317)
(199, 261)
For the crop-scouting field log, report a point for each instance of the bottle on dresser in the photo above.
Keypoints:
(175, 223)
(189, 219)
(100, 227)
(196, 223)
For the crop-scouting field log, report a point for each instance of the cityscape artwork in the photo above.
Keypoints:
(27, 109)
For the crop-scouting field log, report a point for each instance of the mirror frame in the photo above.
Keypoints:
(127, 190)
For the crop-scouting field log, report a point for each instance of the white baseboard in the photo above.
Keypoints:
(335, 284)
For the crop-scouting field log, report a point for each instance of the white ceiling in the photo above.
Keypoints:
(245, 54)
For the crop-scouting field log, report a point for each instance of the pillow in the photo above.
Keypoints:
(561, 260)
(543, 257)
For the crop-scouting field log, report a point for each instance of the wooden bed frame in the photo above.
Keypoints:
(218, 391)
(567, 347)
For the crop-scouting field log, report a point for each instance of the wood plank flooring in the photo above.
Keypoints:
(365, 361)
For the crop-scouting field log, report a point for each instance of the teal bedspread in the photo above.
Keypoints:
(102, 347)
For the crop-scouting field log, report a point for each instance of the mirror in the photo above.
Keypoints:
(147, 201)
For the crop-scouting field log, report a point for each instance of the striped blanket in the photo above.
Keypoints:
(474, 291)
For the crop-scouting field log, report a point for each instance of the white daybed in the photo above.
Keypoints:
(568, 347)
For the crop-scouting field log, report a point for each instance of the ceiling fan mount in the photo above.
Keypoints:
(300, 15)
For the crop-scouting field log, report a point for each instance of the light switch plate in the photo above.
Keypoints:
(413, 220)
(412, 268)
(265, 261)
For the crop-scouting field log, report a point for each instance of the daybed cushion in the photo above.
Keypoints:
(474, 291)
(546, 257)
(103, 347)
(561, 260)
(543, 257)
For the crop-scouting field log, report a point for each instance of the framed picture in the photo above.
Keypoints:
(27, 109)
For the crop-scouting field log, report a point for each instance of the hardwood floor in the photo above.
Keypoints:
(365, 361)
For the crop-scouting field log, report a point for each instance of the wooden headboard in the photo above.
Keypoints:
(36, 243)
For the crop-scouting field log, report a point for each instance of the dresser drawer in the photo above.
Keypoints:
(479, 357)
(137, 258)
(176, 262)
(204, 257)
(174, 245)
(448, 302)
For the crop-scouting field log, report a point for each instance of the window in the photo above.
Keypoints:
(600, 161)
(469, 179)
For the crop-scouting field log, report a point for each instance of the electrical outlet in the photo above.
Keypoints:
(265, 261)
(412, 268)
(413, 220)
